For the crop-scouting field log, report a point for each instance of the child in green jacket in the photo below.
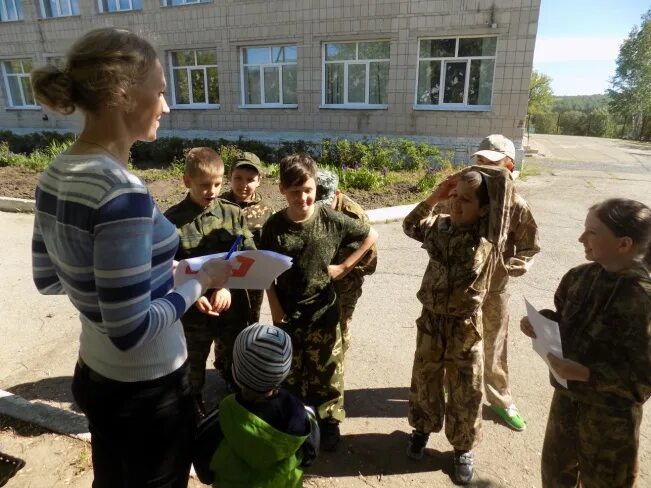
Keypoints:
(268, 434)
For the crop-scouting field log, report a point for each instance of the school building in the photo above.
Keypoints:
(444, 71)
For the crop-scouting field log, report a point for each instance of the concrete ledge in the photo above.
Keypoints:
(8, 204)
(50, 418)
(389, 214)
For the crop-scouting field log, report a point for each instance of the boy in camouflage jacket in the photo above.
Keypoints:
(206, 225)
(349, 288)
(245, 177)
(463, 248)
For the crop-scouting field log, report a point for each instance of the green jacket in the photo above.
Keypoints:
(254, 454)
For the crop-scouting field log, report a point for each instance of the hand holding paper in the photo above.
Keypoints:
(251, 270)
(547, 340)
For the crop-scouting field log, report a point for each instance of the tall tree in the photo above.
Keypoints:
(541, 96)
(631, 86)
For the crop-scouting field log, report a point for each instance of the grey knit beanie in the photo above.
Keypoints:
(262, 357)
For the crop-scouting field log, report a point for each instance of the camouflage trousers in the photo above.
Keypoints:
(495, 322)
(317, 375)
(590, 446)
(255, 300)
(448, 354)
(349, 289)
(201, 331)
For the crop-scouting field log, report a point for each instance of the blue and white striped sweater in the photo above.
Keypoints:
(100, 239)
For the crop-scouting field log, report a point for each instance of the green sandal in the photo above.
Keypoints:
(511, 416)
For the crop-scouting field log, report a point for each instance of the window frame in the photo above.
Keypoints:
(172, 86)
(461, 107)
(5, 80)
(17, 7)
(366, 62)
(101, 10)
(262, 66)
(58, 5)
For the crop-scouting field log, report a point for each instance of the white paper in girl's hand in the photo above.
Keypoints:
(548, 338)
(252, 270)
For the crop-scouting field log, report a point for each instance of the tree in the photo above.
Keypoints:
(573, 123)
(541, 96)
(631, 86)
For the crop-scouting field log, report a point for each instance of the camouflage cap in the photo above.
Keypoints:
(327, 183)
(495, 147)
(248, 159)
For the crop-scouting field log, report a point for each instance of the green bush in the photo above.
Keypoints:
(37, 160)
(360, 179)
(429, 181)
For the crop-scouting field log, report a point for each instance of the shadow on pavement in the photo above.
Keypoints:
(53, 389)
(377, 402)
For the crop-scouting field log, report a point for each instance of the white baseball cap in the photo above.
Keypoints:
(495, 147)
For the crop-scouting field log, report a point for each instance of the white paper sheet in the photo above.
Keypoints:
(548, 338)
(252, 270)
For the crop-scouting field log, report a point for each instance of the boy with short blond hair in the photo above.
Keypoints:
(303, 300)
(208, 224)
(245, 177)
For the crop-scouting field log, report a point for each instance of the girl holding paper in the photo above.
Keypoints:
(604, 313)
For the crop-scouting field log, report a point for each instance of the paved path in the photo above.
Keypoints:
(39, 356)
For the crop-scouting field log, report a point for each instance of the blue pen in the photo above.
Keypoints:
(234, 247)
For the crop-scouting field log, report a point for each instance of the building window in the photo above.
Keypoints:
(269, 76)
(10, 10)
(194, 78)
(15, 73)
(356, 74)
(59, 8)
(456, 72)
(172, 3)
(119, 5)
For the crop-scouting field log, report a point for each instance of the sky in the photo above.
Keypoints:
(578, 41)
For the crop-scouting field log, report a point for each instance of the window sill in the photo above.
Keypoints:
(186, 4)
(354, 106)
(33, 108)
(195, 107)
(60, 17)
(9, 21)
(453, 108)
(121, 11)
(272, 106)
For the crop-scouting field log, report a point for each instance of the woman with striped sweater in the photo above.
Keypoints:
(100, 239)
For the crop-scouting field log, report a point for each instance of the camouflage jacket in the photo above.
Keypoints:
(460, 263)
(256, 212)
(605, 324)
(352, 209)
(210, 230)
(522, 243)
(306, 291)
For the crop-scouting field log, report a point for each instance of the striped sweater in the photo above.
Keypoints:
(100, 239)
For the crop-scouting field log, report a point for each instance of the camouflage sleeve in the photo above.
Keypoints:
(627, 370)
(418, 221)
(353, 230)
(248, 243)
(525, 232)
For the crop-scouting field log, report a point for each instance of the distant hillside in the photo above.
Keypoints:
(581, 103)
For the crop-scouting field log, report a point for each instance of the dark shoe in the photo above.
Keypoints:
(200, 406)
(330, 435)
(463, 467)
(9, 466)
(417, 443)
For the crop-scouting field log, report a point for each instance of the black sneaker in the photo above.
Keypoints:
(330, 435)
(463, 467)
(9, 466)
(417, 443)
(200, 407)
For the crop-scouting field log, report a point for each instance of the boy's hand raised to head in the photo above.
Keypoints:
(442, 192)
